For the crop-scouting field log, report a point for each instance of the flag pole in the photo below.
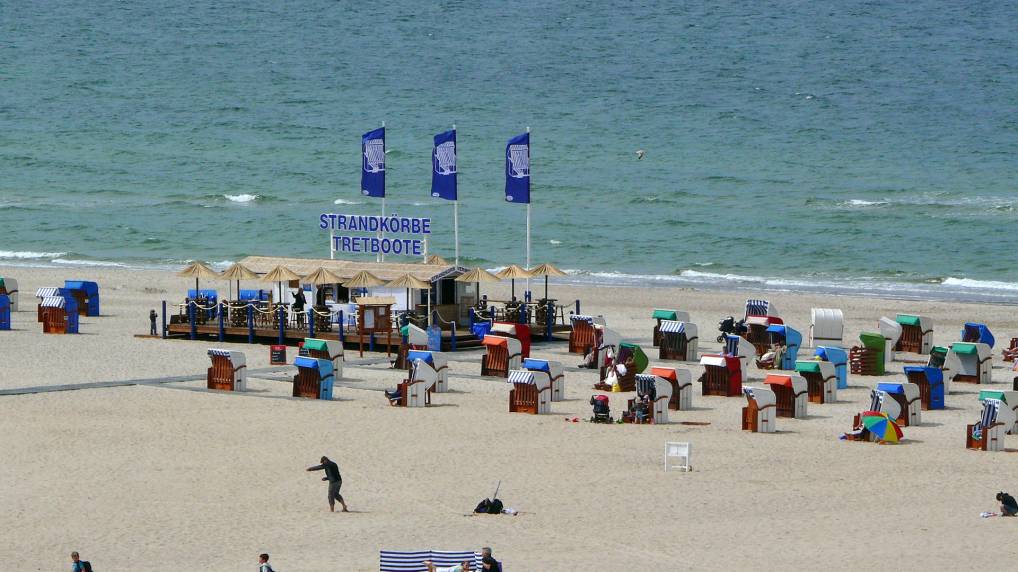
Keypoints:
(456, 207)
(379, 256)
(528, 220)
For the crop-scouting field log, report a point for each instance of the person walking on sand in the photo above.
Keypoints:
(335, 482)
(79, 565)
(263, 563)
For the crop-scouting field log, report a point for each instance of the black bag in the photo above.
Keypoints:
(482, 507)
(495, 507)
(86, 566)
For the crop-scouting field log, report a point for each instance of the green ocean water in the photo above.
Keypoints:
(866, 147)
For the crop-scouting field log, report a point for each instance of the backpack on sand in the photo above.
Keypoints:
(86, 566)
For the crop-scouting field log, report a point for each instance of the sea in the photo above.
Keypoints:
(865, 148)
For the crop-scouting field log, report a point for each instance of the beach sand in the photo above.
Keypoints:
(167, 476)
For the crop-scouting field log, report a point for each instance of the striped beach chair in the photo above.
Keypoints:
(228, 371)
(42, 294)
(413, 561)
(581, 334)
(988, 434)
(660, 315)
(530, 393)
(659, 390)
(553, 371)
(755, 307)
(677, 340)
(760, 413)
(59, 315)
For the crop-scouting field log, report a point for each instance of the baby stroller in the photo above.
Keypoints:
(602, 412)
(730, 326)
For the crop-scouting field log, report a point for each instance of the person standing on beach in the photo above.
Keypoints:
(335, 482)
(263, 563)
(152, 322)
(79, 565)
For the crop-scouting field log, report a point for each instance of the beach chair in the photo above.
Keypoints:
(42, 294)
(909, 401)
(676, 340)
(681, 381)
(5, 313)
(331, 350)
(976, 333)
(413, 338)
(827, 326)
(86, 294)
(791, 339)
(792, 394)
(553, 371)
(530, 393)
(416, 390)
(228, 371)
(610, 375)
(9, 287)
(930, 382)
(1011, 351)
(501, 355)
(988, 433)
(758, 334)
(868, 359)
(659, 391)
(740, 348)
(607, 342)
(581, 334)
(512, 330)
(821, 379)
(760, 413)
(662, 315)
(438, 362)
(722, 375)
(756, 308)
(838, 357)
(916, 334)
(882, 402)
(314, 378)
(969, 362)
(413, 561)
(1010, 398)
(59, 315)
(891, 330)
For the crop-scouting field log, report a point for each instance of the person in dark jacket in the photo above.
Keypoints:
(1008, 506)
(488, 562)
(335, 482)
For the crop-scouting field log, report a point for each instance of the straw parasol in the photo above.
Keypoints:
(363, 279)
(477, 275)
(546, 270)
(198, 270)
(280, 274)
(409, 281)
(435, 259)
(238, 272)
(321, 277)
(512, 272)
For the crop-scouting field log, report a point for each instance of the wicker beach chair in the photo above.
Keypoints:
(228, 371)
(530, 393)
(760, 412)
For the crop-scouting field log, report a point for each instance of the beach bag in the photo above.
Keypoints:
(482, 507)
(86, 566)
(495, 507)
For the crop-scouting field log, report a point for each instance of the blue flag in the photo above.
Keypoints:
(373, 163)
(517, 169)
(443, 166)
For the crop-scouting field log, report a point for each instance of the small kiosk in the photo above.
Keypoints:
(374, 317)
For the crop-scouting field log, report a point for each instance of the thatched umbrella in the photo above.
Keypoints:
(546, 270)
(477, 275)
(436, 259)
(280, 274)
(321, 277)
(409, 281)
(512, 272)
(238, 272)
(198, 270)
(363, 279)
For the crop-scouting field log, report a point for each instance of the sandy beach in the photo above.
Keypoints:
(167, 476)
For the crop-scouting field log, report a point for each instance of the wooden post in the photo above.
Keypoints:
(250, 323)
(164, 319)
(577, 307)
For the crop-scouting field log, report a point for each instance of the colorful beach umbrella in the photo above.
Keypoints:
(512, 273)
(881, 426)
(640, 359)
(198, 270)
(546, 270)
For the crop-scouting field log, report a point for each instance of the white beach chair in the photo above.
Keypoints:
(968, 362)
(417, 337)
(678, 455)
(891, 330)
(760, 412)
(791, 392)
(681, 381)
(422, 379)
(530, 393)
(553, 371)
(439, 362)
(827, 327)
(988, 433)
(11, 285)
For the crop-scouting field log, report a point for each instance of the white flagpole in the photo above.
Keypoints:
(332, 242)
(528, 217)
(380, 257)
(456, 204)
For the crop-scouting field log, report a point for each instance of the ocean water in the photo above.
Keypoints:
(868, 147)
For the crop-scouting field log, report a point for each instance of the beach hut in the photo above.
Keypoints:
(5, 312)
(437, 361)
(1008, 397)
(988, 433)
(581, 334)
(916, 334)
(553, 371)
(681, 381)
(821, 380)
(415, 391)
(331, 350)
(228, 371)
(971, 362)
(827, 326)
(677, 340)
(930, 382)
(530, 393)
(788, 337)
(314, 378)
(660, 315)
(722, 375)
(760, 413)
(792, 394)
(838, 357)
(868, 358)
(657, 392)
(86, 294)
(9, 287)
(977, 334)
(891, 330)
(501, 355)
(907, 396)
(59, 314)
(42, 294)
(513, 330)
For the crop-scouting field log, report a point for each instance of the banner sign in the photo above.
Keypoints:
(373, 163)
(443, 166)
(517, 169)
(393, 224)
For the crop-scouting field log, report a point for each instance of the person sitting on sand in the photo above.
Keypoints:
(641, 408)
(394, 396)
(772, 356)
(1008, 506)
(462, 567)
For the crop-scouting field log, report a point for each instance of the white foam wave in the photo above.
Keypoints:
(108, 263)
(716, 276)
(553, 241)
(28, 254)
(864, 203)
(346, 202)
(979, 284)
(242, 198)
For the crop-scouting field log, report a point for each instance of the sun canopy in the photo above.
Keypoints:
(238, 272)
(408, 281)
(316, 345)
(521, 376)
(546, 270)
(198, 270)
(495, 341)
(782, 380)
(978, 333)
(280, 274)
(907, 319)
(477, 275)
(962, 348)
(665, 372)
(807, 366)
(664, 315)
(514, 272)
(363, 279)
(321, 277)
